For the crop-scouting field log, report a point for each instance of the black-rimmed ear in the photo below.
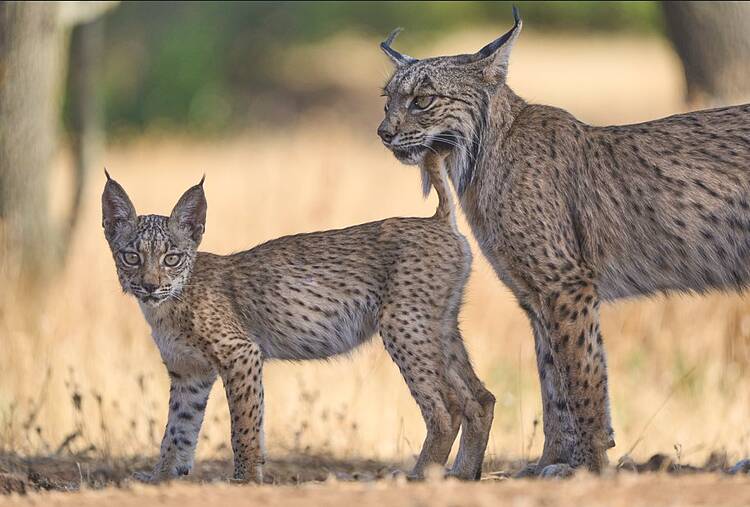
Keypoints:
(496, 54)
(118, 213)
(397, 58)
(189, 214)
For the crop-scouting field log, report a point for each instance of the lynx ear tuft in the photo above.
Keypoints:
(397, 58)
(497, 53)
(189, 214)
(118, 212)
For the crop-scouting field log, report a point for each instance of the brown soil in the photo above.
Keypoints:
(620, 490)
(319, 480)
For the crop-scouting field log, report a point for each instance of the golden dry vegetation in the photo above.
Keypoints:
(88, 370)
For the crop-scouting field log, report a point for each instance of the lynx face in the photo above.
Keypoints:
(153, 254)
(154, 263)
(427, 107)
(441, 104)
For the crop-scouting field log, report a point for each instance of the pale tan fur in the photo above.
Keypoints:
(308, 296)
(570, 215)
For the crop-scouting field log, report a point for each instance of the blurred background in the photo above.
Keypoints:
(277, 103)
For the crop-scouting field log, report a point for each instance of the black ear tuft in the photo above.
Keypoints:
(397, 58)
(496, 44)
(495, 55)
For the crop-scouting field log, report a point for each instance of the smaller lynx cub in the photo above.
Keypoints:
(308, 296)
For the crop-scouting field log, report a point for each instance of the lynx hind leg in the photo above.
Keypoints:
(477, 404)
(409, 340)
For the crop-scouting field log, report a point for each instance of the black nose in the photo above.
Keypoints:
(385, 135)
(149, 287)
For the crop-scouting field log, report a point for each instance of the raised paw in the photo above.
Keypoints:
(557, 471)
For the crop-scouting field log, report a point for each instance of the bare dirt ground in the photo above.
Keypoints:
(619, 489)
(315, 480)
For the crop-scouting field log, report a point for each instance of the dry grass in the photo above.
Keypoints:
(674, 362)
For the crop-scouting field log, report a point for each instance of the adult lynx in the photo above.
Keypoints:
(570, 215)
(308, 296)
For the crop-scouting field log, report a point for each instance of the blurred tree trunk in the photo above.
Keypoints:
(85, 128)
(713, 42)
(33, 59)
(31, 43)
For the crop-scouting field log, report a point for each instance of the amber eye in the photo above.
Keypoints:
(423, 101)
(131, 258)
(171, 260)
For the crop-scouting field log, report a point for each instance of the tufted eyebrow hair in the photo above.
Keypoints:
(408, 82)
(425, 82)
(400, 83)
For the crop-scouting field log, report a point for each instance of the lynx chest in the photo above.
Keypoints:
(177, 351)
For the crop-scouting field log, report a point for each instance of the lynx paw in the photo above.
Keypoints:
(146, 477)
(557, 471)
(244, 476)
(526, 472)
(465, 473)
(155, 477)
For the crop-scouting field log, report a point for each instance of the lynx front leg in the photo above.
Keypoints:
(559, 430)
(577, 352)
(188, 395)
(242, 370)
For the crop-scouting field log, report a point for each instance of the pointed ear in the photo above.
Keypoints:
(118, 213)
(398, 59)
(496, 54)
(188, 217)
